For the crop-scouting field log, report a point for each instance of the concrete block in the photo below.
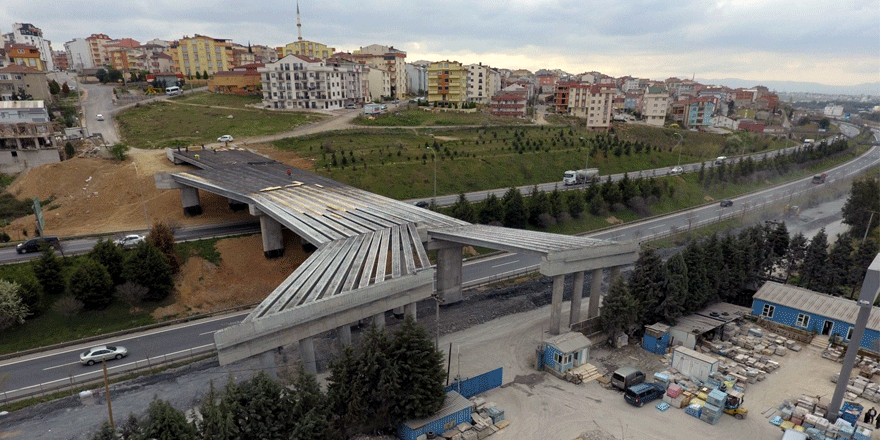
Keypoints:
(462, 427)
(469, 435)
(502, 424)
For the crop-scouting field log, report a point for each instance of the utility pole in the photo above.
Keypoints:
(680, 140)
(434, 158)
(107, 392)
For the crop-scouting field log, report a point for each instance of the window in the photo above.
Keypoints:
(802, 320)
(557, 357)
(768, 311)
(849, 334)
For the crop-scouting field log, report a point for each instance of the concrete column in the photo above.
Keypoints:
(410, 310)
(449, 274)
(556, 305)
(307, 353)
(595, 293)
(189, 196)
(273, 242)
(267, 360)
(344, 333)
(615, 274)
(398, 312)
(379, 320)
(578, 292)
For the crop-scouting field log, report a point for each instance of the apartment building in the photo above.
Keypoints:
(416, 79)
(655, 105)
(509, 105)
(264, 54)
(447, 83)
(78, 55)
(241, 80)
(24, 55)
(311, 49)
(201, 53)
(632, 101)
(301, 82)
(546, 81)
(27, 136)
(30, 35)
(592, 102)
(386, 58)
(124, 54)
(98, 49)
(561, 95)
(700, 111)
(483, 82)
(59, 57)
(241, 56)
(16, 77)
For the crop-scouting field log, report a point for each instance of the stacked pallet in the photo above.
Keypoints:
(807, 414)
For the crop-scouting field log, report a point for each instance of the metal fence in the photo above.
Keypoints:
(478, 384)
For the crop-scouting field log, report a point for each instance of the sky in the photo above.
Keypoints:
(833, 43)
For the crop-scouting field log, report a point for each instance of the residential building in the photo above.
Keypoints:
(264, 54)
(78, 54)
(4, 60)
(593, 103)
(723, 121)
(124, 54)
(677, 111)
(700, 112)
(301, 82)
(98, 50)
(31, 81)
(30, 35)
(655, 105)
(751, 125)
(561, 95)
(241, 80)
(242, 56)
(743, 97)
(378, 83)
(481, 83)
(767, 101)
(416, 79)
(632, 101)
(59, 58)
(24, 55)
(311, 49)
(447, 83)
(201, 53)
(388, 58)
(546, 81)
(27, 136)
(355, 85)
(509, 105)
(157, 62)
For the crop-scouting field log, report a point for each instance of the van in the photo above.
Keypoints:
(720, 160)
(640, 394)
(34, 244)
(173, 90)
(626, 377)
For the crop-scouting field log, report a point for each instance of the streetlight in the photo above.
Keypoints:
(434, 158)
(680, 139)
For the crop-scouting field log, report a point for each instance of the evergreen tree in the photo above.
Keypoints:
(814, 274)
(377, 381)
(778, 242)
(131, 429)
(557, 203)
(794, 259)
(111, 257)
(48, 271)
(840, 260)
(217, 421)
(515, 214)
(148, 267)
(538, 204)
(260, 409)
(734, 272)
(646, 284)
(575, 203)
(92, 285)
(698, 291)
(162, 236)
(31, 293)
(343, 394)
(714, 264)
(620, 310)
(492, 210)
(463, 210)
(676, 303)
(420, 366)
(165, 422)
(309, 409)
(864, 197)
(865, 254)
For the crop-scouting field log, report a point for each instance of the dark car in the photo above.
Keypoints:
(33, 245)
(422, 204)
(726, 203)
(638, 395)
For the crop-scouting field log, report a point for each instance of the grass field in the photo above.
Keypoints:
(398, 163)
(167, 125)
(420, 116)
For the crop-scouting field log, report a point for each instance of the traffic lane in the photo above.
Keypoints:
(488, 269)
(62, 363)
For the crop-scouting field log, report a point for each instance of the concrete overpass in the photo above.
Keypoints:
(372, 252)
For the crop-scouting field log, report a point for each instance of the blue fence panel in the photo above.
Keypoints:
(478, 384)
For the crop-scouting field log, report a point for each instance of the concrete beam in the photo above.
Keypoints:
(169, 153)
(267, 361)
(307, 353)
(595, 293)
(273, 241)
(556, 264)
(189, 196)
(449, 274)
(576, 295)
(165, 181)
(556, 305)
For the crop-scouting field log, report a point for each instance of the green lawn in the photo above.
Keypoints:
(214, 99)
(167, 125)
(420, 116)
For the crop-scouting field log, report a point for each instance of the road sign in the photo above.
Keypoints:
(38, 212)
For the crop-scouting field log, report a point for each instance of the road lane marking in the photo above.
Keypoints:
(505, 264)
(59, 366)
(208, 333)
(658, 226)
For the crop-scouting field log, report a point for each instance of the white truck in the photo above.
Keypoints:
(575, 177)
(374, 109)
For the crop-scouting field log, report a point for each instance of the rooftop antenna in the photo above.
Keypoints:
(298, 24)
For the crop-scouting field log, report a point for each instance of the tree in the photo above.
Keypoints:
(794, 258)
(376, 383)
(463, 210)
(22, 95)
(492, 210)
(65, 89)
(31, 293)
(111, 257)
(309, 409)
(677, 301)
(575, 203)
(205, 74)
(814, 273)
(824, 123)
(699, 293)
(420, 366)
(538, 204)
(840, 261)
(101, 75)
(620, 310)
(646, 286)
(69, 150)
(12, 309)
(105, 432)
(198, 75)
(119, 151)
(162, 236)
(48, 271)
(863, 205)
(92, 285)
(54, 88)
(217, 422)
(68, 306)
(149, 268)
(165, 422)
(114, 75)
(515, 214)
(259, 408)
(348, 411)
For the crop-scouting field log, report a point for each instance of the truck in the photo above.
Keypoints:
(820, 178)
(720, 160)
(373, 109)
(575, 177)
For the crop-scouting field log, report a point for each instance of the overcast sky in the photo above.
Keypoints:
(829, 42)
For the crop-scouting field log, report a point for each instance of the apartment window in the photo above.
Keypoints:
(849, 333)
(803, 320)
(768, 311)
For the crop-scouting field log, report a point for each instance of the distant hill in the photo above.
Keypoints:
(799, 86)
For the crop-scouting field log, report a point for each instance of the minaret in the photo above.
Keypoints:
(299, 32)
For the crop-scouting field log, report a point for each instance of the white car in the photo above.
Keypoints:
(99, 117)
(129, 240)
(676, 170)
(103, 352)
(225, 138)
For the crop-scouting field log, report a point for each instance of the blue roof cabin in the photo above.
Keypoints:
(455, 411)
(566, 351)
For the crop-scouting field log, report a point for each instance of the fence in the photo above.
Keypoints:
(478, 384)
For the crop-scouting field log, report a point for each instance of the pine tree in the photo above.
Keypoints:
(147, 267)
(515, 214)
(377, 381)
(463, 210)
(131, 429)
(864, 197)
(676, 286)
(165, 422)
(794, 258)
(620, 310)
(48, 271)
(557, 203)
(698, 290)
(840, 260)
(217, 422)
(92, 285)
(814, 275)
(111, 257)
(162, 236)
(646, 286)
(420, 366)
(309, 408)
(865, 254)
(575, 203)
(105, 432)
(538, 204)
(343, 394)
(491, 211)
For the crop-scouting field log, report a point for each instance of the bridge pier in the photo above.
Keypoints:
(270, 231)
(307, 353)
(576, 296)
(449, 274)
(189, 196)
(344, 333)
(379, 320)
(556, 305)
(410, 310)
(267, 361)
(595, 293)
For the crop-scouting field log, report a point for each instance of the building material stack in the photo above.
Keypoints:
(807, 414)
(714, 407)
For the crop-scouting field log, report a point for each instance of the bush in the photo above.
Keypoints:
(149, 268)
(131, 293)
(68, 306)
(91, 284)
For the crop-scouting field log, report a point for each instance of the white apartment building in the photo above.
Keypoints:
(593, 103)
(416, 78)
(655, 104)
(378, 83)
(385, 58)
(26, 33)
(78, 55)
(483, 83)
(300, 82)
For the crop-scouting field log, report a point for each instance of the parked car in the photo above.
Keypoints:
(726, 203)
(640, 394)
(99, 117)
(351, 106)
(676, 170)
(102, 352)
(131, 240)
(225, 138)
(33, 245)
(625, 377)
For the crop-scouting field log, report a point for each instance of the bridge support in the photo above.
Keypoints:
(307, 353)
(235, 205)
(189, 196)
(410, 310)
(270, 230)
(344, 333)
(267, 360)
(595, 293)
(576, 295)
(449, 274)
(379, 320)
(556, 305)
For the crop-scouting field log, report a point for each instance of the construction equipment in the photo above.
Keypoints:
(733, 405)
